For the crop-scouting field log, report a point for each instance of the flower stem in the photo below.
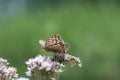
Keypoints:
(39, 75)
(57, 76)
(42, 75)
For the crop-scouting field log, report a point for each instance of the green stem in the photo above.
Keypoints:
(57, 76)
(41, 75)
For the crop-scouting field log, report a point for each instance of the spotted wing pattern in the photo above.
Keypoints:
(56, 44)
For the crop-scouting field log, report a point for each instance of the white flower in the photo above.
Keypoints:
(3, 71)
(28, 73)
(3, 62)
(57, 67)
(6, 72)
(46, 65)
(52, 78)
(43, 63)
(58, 70)
(21, 78)
(11, 72)
(80, 65)
(72, 60)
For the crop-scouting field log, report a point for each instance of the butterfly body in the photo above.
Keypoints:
(55, 44)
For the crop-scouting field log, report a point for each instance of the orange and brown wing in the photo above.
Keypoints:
(56, 44)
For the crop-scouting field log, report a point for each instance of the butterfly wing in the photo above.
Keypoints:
(42, 43)
(55, 44)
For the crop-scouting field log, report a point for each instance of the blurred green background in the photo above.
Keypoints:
(91, 27)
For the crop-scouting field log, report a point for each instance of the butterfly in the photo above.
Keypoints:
(55, 44)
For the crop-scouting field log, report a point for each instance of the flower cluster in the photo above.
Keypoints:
(72, 60)
(3, 62)
(6, 72)
(47, 65)
(43, 64)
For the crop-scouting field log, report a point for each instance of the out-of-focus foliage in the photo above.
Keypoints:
(91, 29)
